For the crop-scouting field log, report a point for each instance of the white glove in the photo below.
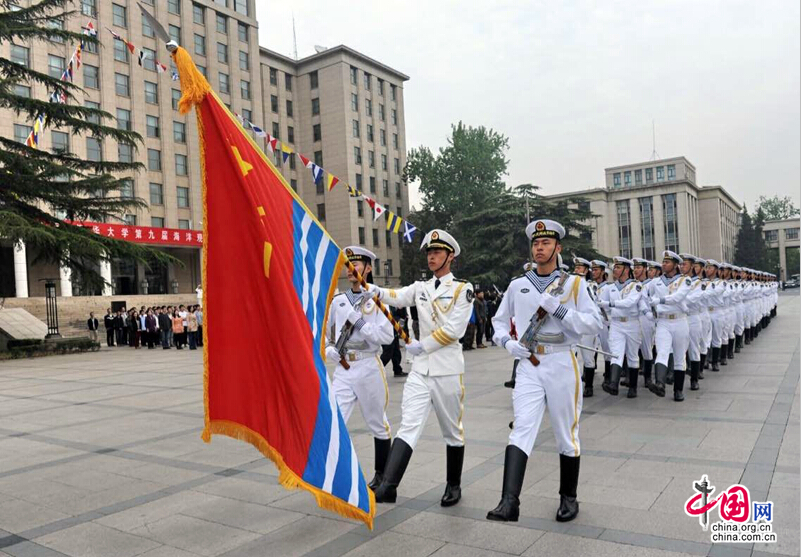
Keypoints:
(373, 290)
(604, 304)
(516, 349)
(354, 315)
(331, 354)
(655, 301)
(415, 348)
(549, 303)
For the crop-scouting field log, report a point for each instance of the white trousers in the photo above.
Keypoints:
(588, 356)
(717, 317)
(672, 335)
(730, 318)
(555, 382)
(695, 339)
(624, 341)
(603, 338)
(706, 332)
(445, 393)
(366, 384)
(739, 325)
(647, 327)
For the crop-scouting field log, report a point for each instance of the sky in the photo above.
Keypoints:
(578, 86)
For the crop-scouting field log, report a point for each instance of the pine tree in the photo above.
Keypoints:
(744, 253)
(37, 186)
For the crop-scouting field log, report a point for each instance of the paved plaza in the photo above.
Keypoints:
(100, 455)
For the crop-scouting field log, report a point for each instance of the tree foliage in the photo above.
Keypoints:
(777, 208)
(41, 191)
(751, 250)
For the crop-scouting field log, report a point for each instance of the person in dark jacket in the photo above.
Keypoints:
(165, 326)
(151, 326)
(92, 325)
(134, 334)
(108, 321)
(119, 327)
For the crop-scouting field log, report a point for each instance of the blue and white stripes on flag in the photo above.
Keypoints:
(408, 231)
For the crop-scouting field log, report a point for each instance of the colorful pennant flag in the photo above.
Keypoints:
(259, 132)
(408, 231)
(269, 388)
(142, 56)
(353, 192)
(175, 76)
(160, 68)
(393, 222)
(286, 151)
(332, 181)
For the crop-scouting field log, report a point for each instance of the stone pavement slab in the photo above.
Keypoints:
(100, 454)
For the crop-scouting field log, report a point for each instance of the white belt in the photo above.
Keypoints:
(355, 356)
(542, 349)
(624, 319)
(711, 308)
(672, 316)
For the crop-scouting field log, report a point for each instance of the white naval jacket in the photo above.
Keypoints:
(370, 332)
(623, 298)
(672, 293)
(577, 315)
(443, 314)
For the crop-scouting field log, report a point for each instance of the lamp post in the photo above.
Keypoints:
(145, 285)
(174, 285)
(52, 308)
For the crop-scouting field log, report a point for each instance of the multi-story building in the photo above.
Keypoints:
(648, 207)
(783, 236)
(344, 111)
(337, 104)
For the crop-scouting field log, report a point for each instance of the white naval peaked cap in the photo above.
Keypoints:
(358, 253)
(544, 228)
(700, 261)
(667, 254)
(564, 267)
(620, 260)
(656, 264)
(580, 261)
(688, 257)
(599, 263)
(713, 263)
(639, 261)
(439, 239)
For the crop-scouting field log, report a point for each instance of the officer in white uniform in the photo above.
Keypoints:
(548, 373)
(364, 382)
(621, 301)
(672, 329)
(716, 291)
(647, 321)
(694, 301)
(727, 342)
(600, 274)
(703, 313)
(739, 308)
(444, 305)
(581, 268)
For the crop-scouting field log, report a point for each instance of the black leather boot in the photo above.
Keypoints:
(453, 489)
(397, 462)
(731, 349)
(747, 335)
(647, 365)
(568, 482)
(589, 377)
(724, 350)
(514, 470)
(701, 366)
(382, 447)
(678, 385)
(738, 344)
(670, 373)
(658, 387)
(632, 383)
(715, 358)
(511, 383)
(624, 374)
(695, 370)
(612, 386)
(607, 371)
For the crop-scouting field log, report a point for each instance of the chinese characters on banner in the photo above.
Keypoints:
(147, 234)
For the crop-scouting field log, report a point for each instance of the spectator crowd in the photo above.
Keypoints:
(168, 326)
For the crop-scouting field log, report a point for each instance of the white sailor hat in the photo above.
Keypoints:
(544, 228)
(735, 268)
(619, 260)
(700, 261)
(639, 261)
(580, 261)
(564, 267)
(439, 239)
(599, 263)
(655, 264)
(667, 254)
(712, 263)
(687, 257)
(358, 253)
(724, 265)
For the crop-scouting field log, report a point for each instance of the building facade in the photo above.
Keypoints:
(783, 236)
(309, 108)
(649, 207)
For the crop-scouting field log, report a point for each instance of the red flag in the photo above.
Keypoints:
(268, 260)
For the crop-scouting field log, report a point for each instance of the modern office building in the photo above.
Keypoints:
(339, 107)
(648, 207)
(782, 236)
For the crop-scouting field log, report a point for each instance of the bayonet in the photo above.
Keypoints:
(345, 333)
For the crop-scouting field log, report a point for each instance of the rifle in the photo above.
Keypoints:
(344, 335)
(538, 320)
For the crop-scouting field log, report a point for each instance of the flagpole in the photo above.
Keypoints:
(381, 306)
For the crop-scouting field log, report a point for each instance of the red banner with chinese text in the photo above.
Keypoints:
(147, 234)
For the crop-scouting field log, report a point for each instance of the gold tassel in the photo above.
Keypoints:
(194, 86)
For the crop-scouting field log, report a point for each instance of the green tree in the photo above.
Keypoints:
(777, 208)
(40, 190)
(793, 261)
(745, 250)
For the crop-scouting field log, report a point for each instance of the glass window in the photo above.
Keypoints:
(123, 119)
(397, 190)
(288, 82)
(200, 45)
(647, 227)
(147, 30)
(175, 33)
(372, 184)
(154, 160)
(320, 187)
(791, 234)
(130, 220)
(21, 55)
(157, 222)
(224, 85)
(357, 155)
(649, 175)
(383, 162)
(149, 61)
(56, 23)
(179, 132)
(361, 235)
(294, 184)
(183, 196)
(393, 92)
(21, 133)
(244, 61)
(321, 212)
(383, 136)
(244, 89)
(315, 106)
(55, 66)
(356, 128)
(368, 107)
(242, 31)
(22, 91)
(360, 208)
(627, 178)
(60, 141)
(358, 181)
(274, 103)
(125, 152)
(395, 141)
(151, 92)
(317, 132)
(222, 24)
(152, 126)
(241, 6)
(183, 224)
(388, 235)
(313, 80)
(176, 96)
(94, 149)
(222, 53)
(370, 133)
(399, 211)
(318, 158)
(660, 175)
(394, 115)
(276, 130)
(397, 166)
(89, 8)
(377, 268)
(354, 76)
(119, 15)
(638, 177)
(624, 227)
(273, 76)
(156, 194)
(371, 158)
(367, 80)
(174, 6)
(91, 76)
(94, 118)
(354, 102)
(671, 218)
(290, 134)
(127, 190)
(385, 187)
(375, 236)
(120, 51)
(181, 165)
(771, 235)
(289, 111)
(671, 169)
(198, 14)
(616, 179)
(381, 87)
(381, 113)
(122, 85)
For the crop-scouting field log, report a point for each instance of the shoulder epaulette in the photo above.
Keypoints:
(459, 280)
